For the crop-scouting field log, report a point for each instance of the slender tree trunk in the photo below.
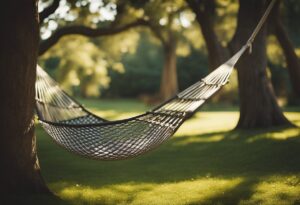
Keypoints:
(292, 61)
(83, 92)
(169, 82)
(204, 11)
(20, 172)
(258, 105)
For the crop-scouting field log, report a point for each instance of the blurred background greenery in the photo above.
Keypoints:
(129, 64)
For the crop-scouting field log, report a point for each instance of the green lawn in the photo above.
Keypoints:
(204, 163)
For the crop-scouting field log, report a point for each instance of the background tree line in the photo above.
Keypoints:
(141, 62)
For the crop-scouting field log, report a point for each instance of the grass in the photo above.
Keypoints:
(204, 163)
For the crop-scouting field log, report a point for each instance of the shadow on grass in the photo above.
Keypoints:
(237, 152)
(251, 154)
(32, 199)
(244, 190)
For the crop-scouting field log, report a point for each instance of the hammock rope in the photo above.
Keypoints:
(78, 130)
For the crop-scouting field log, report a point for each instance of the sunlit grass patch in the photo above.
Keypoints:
(282, 134)
(210, 122)
(113, 109)
(195, 139)
(279, 190)
(183, 192)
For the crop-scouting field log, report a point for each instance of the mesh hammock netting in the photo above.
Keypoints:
(79, 131)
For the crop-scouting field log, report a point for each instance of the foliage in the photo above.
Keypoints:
(78, 12)
(134, 59)
(142, 70)
(226, 19)
(82, 66)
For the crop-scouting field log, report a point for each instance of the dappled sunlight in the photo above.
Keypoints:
(294, 117)
(274, 51)
(115, 115)
(283, 134)
(183, 192)
(196, 136)
(185, 140)
(206, 162)
(276, 190)
(204, 122)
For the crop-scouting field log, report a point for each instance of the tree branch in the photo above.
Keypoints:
(86, 31)
(49, 10)
(156, 31)
(205, 11)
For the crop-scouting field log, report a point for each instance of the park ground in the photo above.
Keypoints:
(204, 163)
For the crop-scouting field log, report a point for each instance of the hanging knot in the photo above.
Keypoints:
(249, 44)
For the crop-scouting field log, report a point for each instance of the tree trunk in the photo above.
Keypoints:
(169, 82)
(292, 61)
(204, 11)
(20, 172)
(258, 105)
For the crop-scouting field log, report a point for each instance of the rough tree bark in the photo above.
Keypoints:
(204, 11)
(292, 61)
(258, 105)
(169, 82)
(19, 36)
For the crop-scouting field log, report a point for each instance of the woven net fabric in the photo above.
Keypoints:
(79, 131)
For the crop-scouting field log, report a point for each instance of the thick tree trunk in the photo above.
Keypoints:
(204, 11)
(169, 82)
(292, 61)
(258, 105)
(20, 172)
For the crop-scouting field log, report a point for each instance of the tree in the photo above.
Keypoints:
(20, 172)
(205, 11)
(258, 105)
(163, 19)
(263, 110)
(292, 61)
(162, 29)
(206, 16)
(169, 81)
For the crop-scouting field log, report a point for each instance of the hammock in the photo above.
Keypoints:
(75, 128)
